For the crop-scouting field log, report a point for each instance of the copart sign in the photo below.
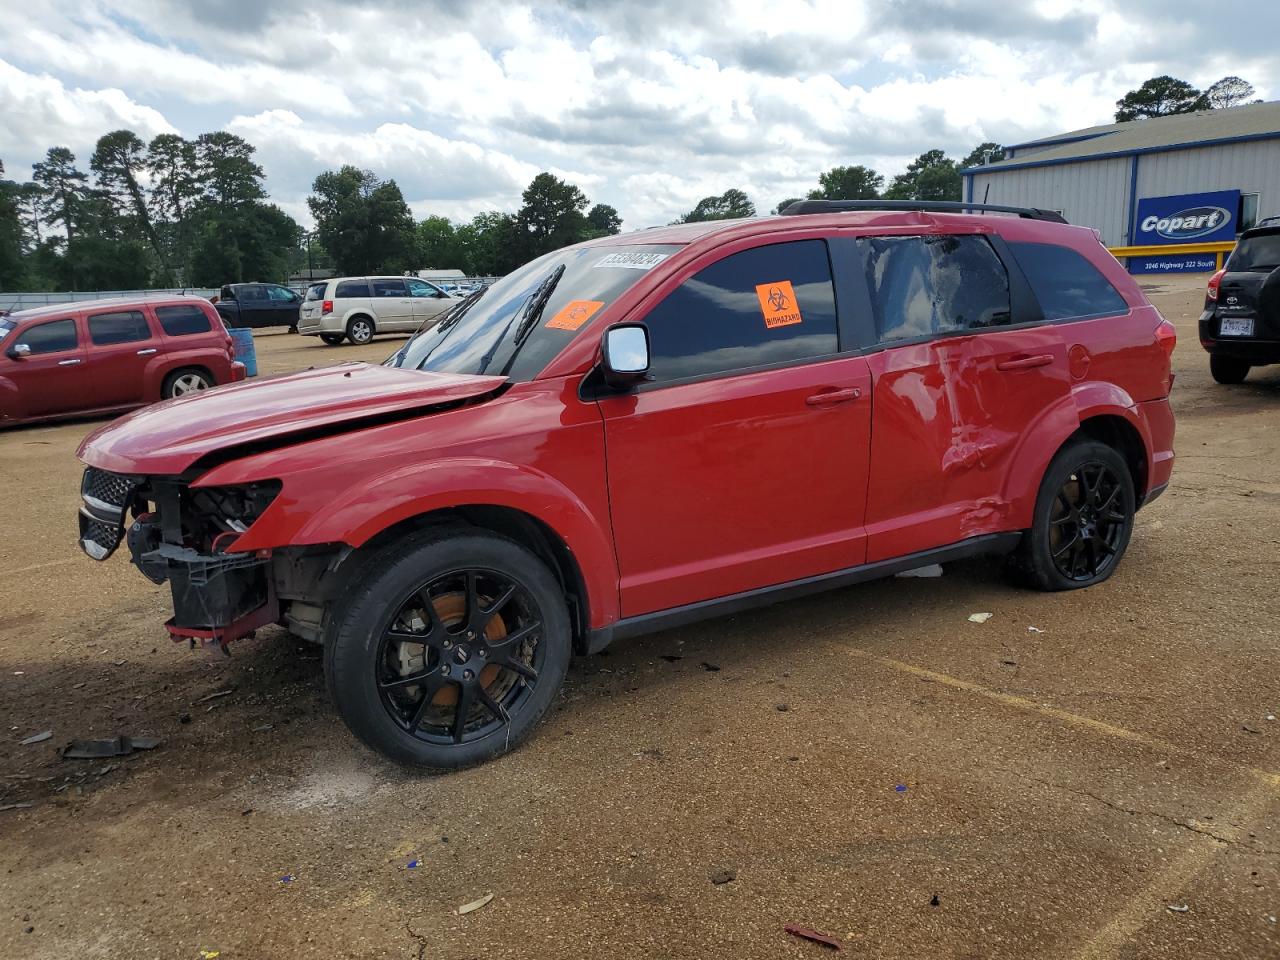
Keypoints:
(1187, 218)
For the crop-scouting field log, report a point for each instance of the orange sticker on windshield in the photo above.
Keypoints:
(574, 314)
(778, 304)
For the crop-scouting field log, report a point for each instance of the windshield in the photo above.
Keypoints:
(486, 335)
(1261, 252)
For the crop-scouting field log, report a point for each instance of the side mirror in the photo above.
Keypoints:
(626, 355)
(18, 351)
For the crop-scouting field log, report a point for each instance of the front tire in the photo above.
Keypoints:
(360, 330)
(448, 649)
(1228, 369)
(1083, 519)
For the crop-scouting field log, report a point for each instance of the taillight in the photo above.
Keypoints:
(327, 307)
(1214, 282)
(1167, 337)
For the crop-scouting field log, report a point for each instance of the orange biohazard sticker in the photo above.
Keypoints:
(574, 314)
(778, 304)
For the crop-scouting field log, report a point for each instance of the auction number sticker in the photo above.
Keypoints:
(631, 261)
(574, 314)
(778, 304)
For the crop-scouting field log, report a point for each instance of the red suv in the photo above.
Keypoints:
(644, 430)
(104, 356)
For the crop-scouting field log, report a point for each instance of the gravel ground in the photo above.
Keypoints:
(934, 787)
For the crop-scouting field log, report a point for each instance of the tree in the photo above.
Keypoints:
(62, 189)
(848, 183)
(438, 245)
(730, 205)
(255, 242)
(551, 216)
(1160, 97)
(118, 160)
(983, 153)
(225, 169)
(13, 269)
(362, 221)
(930, 176)
(490, 244)
(604, 220)
(1228, 92)
(175, 189)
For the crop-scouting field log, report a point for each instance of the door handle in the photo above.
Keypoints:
(1025, 363)
(832, 397)
(67, 363)
(147, 352)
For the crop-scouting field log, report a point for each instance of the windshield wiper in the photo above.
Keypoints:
(528, 317)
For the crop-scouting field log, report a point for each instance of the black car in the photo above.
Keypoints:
(258, 305)
(1240, 326)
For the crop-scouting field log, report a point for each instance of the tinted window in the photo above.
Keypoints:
(127, 326)
(316, 291)
(182, 321)
(1256, 253)
(766, 305)
(50, 337)
(1066, 284)
(251, 293)
(388, 288)
(282, 294)
(352, 288)
(921, 286)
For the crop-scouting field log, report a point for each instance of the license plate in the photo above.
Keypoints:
(1236, 327)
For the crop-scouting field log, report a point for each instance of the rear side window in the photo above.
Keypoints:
(50, 337)
(388, 288)
(1067, 285)
(1256, 253)
(316, 291)
(251, 293)
(766, 305)
(126, 326)
(352, 288)
(182, 321)
(923, 286)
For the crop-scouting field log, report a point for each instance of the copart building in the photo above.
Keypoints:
(1194, 179)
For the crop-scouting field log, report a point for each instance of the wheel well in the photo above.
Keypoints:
(526, 530)
(362, 316)
(1119, 434)
(178, 371)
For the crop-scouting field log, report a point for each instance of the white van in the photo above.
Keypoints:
(357, 308)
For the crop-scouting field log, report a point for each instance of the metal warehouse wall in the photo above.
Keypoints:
(1094, 193)
(1247, 167)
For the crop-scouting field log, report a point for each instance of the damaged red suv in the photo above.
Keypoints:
(644, 430)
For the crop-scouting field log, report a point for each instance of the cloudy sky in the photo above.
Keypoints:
(645, 105)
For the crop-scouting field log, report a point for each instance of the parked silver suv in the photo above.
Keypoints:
(357, 308)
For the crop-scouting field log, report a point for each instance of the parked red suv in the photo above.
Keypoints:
(103, 356)
(644, 430)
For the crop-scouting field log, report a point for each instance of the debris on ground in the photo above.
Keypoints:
(813, 935)
(722, 875)
(473, 905)
(782, 708)
(1010, 663)
(120, 746)
(1249, 729)
(184, 718)
(932, 570)
(670, 657)
(1178, 908)
(264, 727)
(709, 667)
(413, 864)
(215, 695)
(1034, 630)
(209, 954)
(16, 806)
(900, 788)
(40, 737)
(289, 878)
(1271, 716)
(980, 617)
(935, 901)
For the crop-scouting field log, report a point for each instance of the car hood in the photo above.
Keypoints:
(168, 438)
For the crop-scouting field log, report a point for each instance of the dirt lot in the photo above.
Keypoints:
(932, 788)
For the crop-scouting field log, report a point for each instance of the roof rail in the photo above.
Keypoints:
(925, 206)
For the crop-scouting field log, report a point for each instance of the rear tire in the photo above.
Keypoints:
(360, 330)
(332, 339)
(181, 382)
(495, 646)
(1228, 369)
(1083, 519)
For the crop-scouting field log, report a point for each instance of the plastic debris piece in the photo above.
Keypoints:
(40, 737)
(980, 617)
(932, 570)
(289, 878)
(473, 905)
(1178, 908)
(1034, 630)
(935, 902)
(209, 954)
(1271, 716)
(16, 806)
(900, 788)
(1249, 729)
(722, 875)
(413, 864)
(813, 936)
(121, 746)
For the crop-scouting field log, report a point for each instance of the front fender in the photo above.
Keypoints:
(362, 512)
